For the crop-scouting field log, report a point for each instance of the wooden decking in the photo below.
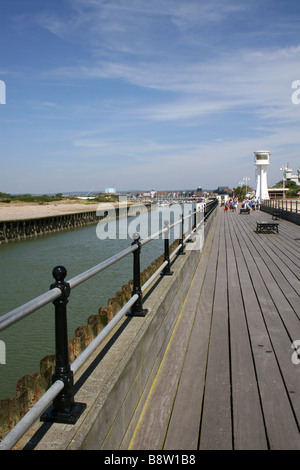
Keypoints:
(230, 378)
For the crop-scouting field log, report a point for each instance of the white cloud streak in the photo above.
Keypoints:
(190, 63)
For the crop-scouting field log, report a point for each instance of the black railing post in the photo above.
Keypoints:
(190, 240)
(181, 251)
(167, 269)
(137, 309)
(63, 409)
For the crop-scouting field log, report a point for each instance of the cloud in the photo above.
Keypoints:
(159, 46)
(167, 87)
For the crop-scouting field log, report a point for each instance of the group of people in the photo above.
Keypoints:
(232, 204)
(252, 204)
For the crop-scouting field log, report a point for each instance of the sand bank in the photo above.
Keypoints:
(21, 211)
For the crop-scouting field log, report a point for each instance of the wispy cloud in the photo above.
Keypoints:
(180, 85)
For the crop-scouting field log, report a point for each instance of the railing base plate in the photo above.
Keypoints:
(69, 416)
(139, 313)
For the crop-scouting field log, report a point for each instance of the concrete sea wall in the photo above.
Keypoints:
(13, 230)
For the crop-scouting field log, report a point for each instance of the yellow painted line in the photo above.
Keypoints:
(162, 362)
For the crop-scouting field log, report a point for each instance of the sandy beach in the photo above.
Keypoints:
(31, 211)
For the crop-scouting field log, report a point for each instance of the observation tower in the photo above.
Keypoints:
(262, 160)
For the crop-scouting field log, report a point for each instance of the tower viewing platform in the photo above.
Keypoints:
(215, 362)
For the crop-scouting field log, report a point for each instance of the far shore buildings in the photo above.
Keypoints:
(287, 175)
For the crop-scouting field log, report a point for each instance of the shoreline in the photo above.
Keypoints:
(22, 221)
(26, 211)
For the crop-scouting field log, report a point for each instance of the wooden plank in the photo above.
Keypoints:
(230, 381)
(280, 422)
(283, 325)
(248, 424)
(216, 429)
(153, 423)
(183, 430)
(287, 281)
(284, 275)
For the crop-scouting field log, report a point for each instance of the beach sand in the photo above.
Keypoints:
(23, 211)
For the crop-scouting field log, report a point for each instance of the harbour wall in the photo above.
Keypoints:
(13, 230)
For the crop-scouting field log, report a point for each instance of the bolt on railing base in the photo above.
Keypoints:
(67, 416)
(137, 313)
(137, 309)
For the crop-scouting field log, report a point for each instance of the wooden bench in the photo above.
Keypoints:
(245, 210)
(266, 227)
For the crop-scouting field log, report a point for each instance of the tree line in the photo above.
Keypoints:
(293, 189)
(45, 198)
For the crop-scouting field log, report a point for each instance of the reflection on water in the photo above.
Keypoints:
(26, 272)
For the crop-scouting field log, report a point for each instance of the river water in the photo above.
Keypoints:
(26, 272)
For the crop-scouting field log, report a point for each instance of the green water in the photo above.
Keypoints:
(26, 272)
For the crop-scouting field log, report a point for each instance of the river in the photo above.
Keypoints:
(26, 272)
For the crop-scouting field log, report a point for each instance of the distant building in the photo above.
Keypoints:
(224, 190)
(151, 194)
(288, 176)
(277, 193)
(110, 190)
(199, 192)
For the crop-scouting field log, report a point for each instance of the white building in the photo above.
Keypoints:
(288, 176)
(261, 160)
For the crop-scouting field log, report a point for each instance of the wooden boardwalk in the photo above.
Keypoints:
(230, 378)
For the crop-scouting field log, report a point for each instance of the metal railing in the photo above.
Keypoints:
(291, 205)
(57, 404)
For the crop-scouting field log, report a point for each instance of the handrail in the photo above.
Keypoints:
(58, 295)
(24, 310)
(289, 205)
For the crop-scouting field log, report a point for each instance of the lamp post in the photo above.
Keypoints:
(282, 168)
(246, 178)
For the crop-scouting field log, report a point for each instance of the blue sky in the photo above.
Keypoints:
(155, 94)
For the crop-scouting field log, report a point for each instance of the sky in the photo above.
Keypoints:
(139, 94)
